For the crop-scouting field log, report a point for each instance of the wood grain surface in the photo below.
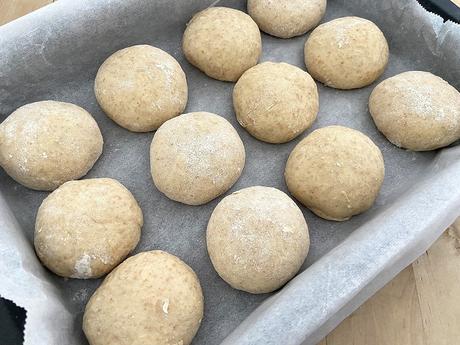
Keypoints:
(421, 306)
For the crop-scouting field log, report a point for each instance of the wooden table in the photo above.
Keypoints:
(421, 306)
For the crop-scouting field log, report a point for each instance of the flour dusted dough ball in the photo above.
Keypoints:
(257, 239)
(275, 102)
(286, 18)
(152, 298)
(336, 172)
(346, 53)
(222, 42)
(416, 110)
(44, 144)
(85, 228)
(141, 87)
(196, 157)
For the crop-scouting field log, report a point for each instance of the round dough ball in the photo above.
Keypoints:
(346, 53)
(222, 42)
(196, 157)
(141, 87)
(85, 228)
(44, 144)
(416, 110)
(275, 102)
(286, 18)
(151, 298)
(257, 239)
(336, 172)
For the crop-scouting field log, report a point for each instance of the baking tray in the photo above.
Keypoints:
(55, 52)
(445, 8)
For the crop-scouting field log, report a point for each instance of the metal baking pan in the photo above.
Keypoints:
(54, 54)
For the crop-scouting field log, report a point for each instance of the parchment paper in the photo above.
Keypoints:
(54, 54)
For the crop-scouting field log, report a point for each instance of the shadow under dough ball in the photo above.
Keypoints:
(257, 239)
(150, 298)
(275, 102)
(196, 157)
(85, 228)
(346, 53)
(286, 18)
(416, 110)
(222, 42)
(44, 144)
(140, 87)
(336, 172)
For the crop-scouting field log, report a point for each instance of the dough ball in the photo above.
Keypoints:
(336, 172)
(196, 157)
(141, 87)
(416, 110)
(85, 228)
(286, 18)
(44, 144)
(222, 42)
(257, 239)
(275, 102)
(152, 298)
(346, 53)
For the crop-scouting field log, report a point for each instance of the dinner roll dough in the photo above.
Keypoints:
(416, 110)
(257, 239)
(196, 157)
(85, 228)
(346, 53)
(141, 87)
(336, 172)
(222, 42)
(44, 144)
(286, 18)
(151, 298)
(275, 102)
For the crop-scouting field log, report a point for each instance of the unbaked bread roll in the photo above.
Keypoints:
(286, 18)
(275, 102)
(222, 42)
(336, 172)
(140, 87)
(152, 298)
(257, 239)
(44, 144)
(196, 157)
(85, 228)
(416, 110)
(346, 53)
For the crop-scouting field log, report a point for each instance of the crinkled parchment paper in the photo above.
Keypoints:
(54, 54)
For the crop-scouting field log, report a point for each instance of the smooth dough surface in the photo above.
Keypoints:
(85, 228)
(336, 172)
(275, 102)
(257, 239)
(151, 298)
(44, 144)
(196, 157)
(346, 53)
(286, 18)
(416, 110)
(140, 87)
(222, 42)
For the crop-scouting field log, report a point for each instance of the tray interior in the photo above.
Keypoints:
(64, 71)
